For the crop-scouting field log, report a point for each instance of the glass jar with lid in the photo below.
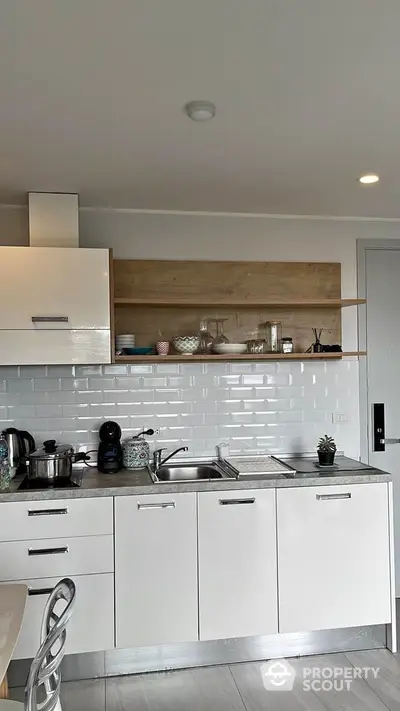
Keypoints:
(273, 334)
(287, 345)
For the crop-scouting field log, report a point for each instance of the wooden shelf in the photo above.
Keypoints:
(168, 303)
(202, 358)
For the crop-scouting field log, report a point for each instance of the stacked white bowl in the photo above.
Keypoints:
(125, 340)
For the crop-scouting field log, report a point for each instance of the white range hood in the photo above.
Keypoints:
(53, 219)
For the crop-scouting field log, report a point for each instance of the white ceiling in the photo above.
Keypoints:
(307, 95)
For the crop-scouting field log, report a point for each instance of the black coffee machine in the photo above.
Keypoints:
(109, 455)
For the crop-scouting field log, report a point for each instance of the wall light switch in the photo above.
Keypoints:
(340, 418)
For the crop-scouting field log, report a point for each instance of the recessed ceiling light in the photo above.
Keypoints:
(369, 178)
(200, 110)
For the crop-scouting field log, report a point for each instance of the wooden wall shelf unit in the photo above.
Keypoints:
(171, 297)
(200, 358)
(318, 304)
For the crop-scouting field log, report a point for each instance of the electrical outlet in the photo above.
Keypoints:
(156, 431)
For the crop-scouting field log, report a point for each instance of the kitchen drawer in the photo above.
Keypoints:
(56, 347)
(91, 628)
(56, 556)
(22, 520)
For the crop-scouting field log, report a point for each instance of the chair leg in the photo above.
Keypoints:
(4, 688)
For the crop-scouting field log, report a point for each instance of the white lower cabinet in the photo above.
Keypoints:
(156, 569)
(237, 564)
(91, 628)
(333, 557)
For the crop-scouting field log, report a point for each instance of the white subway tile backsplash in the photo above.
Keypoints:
(73, 384)
(255, 407)
(241, 368)
(53, 397)
(84, 370)
(9, 371)
(118, 369)
(103, 384)
(89, 396)
(152, 382)
(128, 408)
(32, 371)
(20, 385)
(16, 412)
(167, 368)
(166, 395)
(44, 384)
(138, 369)
(253, 379)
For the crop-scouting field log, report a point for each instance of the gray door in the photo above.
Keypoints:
(380, 278)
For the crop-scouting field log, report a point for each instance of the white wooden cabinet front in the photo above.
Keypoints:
(56, 305)
(91, 628)
(237, 564)
(333, 557)
(155, 569)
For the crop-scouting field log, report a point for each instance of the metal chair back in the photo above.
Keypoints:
(44, 675)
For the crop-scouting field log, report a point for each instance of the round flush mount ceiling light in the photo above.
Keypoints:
(200, 110)
(369, 179)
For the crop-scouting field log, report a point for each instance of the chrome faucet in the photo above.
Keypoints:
(157, 456)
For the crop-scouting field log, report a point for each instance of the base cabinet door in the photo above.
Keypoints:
(333, 557)
(156, 569)
(91, 627)
(237, 564)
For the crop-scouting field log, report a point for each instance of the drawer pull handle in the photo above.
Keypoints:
(49, 319)
(161, 505)
(48, 551)
(233, 502)
(39, 591)
(332, 497)
(47, 512)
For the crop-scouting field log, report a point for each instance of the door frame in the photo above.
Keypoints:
(364, 245)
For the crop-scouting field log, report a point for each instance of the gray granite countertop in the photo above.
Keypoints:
(127, 483)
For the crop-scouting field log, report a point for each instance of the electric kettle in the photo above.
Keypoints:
(20, 444)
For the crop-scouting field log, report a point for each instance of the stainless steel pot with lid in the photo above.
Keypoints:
(53, 461)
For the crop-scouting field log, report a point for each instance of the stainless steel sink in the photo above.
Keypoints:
(195, 471)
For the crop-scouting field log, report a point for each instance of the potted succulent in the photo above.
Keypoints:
(326, 451)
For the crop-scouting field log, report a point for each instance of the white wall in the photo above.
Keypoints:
(137, 235)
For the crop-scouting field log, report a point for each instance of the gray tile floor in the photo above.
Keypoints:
(239, 687)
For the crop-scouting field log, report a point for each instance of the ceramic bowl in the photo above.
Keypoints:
(186, 345)
(137, 351)
(229, 348)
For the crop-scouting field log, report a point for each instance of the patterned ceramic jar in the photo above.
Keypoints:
(162, 347)
(135, 453)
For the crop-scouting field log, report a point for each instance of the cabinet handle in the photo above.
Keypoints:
(331, 497)
(161, 505)
(233, 502)
(39, 591)
(48, 551)
(49, 319)
(46, 512)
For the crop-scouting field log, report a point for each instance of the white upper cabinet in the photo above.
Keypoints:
(56, 305)
(54, 283)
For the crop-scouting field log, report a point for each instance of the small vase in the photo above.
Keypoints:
(326, 459)
(162, 347)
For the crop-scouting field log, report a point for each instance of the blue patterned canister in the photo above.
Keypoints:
(135, 452)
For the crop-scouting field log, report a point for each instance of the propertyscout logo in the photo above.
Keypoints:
(280, 675)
